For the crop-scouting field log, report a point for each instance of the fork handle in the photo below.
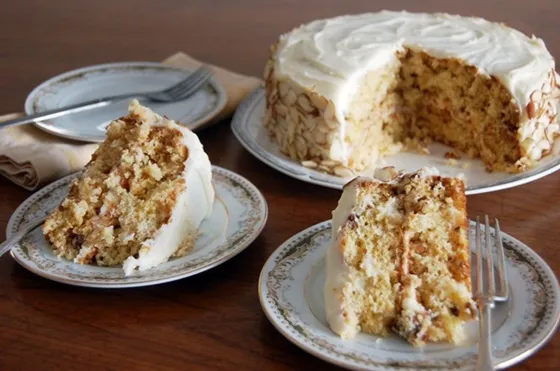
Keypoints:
(484, 359)
(7, 245)
(78, 107)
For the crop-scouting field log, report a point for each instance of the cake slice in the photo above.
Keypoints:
(141, 198)
(399, 259)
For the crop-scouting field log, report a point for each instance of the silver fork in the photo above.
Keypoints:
(486, 293)
(181, 90)
(24, 230)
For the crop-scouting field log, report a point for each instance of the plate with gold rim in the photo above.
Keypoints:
(238, 217)
(291, 295)
(248, 127)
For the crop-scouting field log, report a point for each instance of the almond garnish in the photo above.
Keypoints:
(531, 110)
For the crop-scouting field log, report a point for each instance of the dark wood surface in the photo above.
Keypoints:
(212, 320)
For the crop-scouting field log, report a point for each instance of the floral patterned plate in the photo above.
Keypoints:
(239, 215)
(291, 295)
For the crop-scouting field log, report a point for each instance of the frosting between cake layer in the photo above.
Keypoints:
(193, 205)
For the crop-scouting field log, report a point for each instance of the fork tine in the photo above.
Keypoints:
(491, 284)
(180, 90)
(478, 278)
(489, 259)
(180, 85)
(503, 293)
(193, 76)
(194, 86)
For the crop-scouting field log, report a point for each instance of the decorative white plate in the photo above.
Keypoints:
(119, 78)
(291, 295)
(238, 217)
(247, 125)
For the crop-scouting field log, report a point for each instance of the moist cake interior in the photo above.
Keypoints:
(407, 252)
(127, 193)
(420, 98)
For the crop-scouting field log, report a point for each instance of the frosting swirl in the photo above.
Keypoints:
(330, 56)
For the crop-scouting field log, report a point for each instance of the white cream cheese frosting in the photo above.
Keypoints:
(339, 276)
(331, 56)
(192, 207)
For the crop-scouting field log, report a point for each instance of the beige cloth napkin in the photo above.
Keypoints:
(31, 158)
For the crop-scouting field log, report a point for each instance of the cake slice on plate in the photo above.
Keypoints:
(399, 259)
(141, 198)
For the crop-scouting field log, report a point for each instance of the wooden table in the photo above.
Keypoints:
(212, 320)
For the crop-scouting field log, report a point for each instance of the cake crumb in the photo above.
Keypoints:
(452, 155)
(452, 162)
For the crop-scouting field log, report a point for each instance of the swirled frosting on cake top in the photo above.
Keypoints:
(330, 56)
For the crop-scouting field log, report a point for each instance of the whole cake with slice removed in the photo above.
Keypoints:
(141, 198)
(399, 259)
(345, 92)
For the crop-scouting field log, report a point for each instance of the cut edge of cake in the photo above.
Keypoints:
(193, 206)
